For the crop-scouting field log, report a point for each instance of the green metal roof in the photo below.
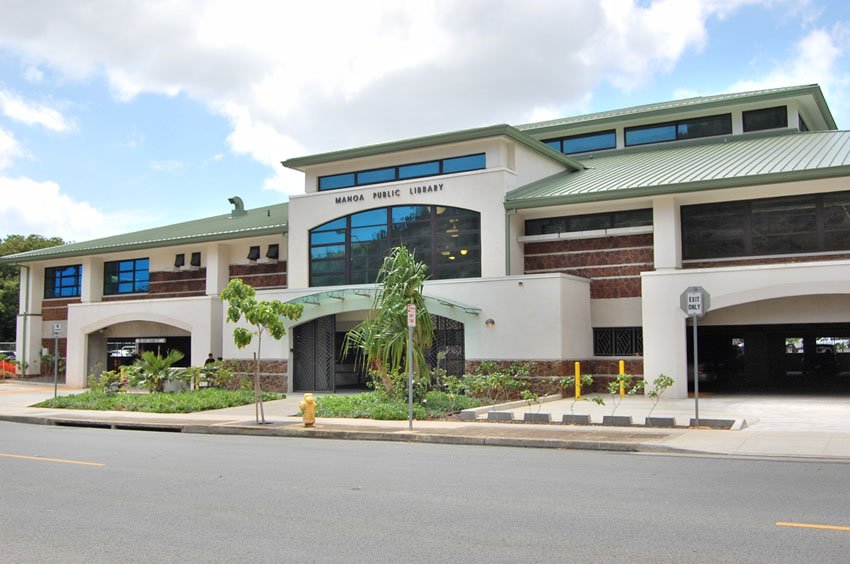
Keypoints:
(677, 106)
(502, 130)
(266, 220)
(726, 162)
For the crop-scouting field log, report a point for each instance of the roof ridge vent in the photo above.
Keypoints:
(238, 206)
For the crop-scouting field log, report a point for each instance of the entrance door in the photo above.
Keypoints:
(314, 355)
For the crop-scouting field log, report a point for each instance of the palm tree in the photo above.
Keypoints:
(382, 337)
(154, 370)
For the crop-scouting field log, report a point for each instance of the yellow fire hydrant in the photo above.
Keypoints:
(308, 410)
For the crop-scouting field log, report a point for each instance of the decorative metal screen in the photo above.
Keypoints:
(448, 338)
(314, 355)
(618, 341)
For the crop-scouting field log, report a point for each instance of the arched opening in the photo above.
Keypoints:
(794, 345)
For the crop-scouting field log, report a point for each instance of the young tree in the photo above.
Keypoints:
(10, 279)
(382, 337)
(264, 316)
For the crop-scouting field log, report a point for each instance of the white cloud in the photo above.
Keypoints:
(9, 149)
(814, 59)
(17, 109)
(30, 206)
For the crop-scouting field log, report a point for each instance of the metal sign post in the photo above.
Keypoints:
(695, 302)
(57, 328)
(411, 323)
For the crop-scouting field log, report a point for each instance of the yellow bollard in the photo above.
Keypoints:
(622, 372)
(578, 380)
(308, 410)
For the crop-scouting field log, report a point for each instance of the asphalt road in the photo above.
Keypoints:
(162, 497)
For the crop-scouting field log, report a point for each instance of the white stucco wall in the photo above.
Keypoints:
(664, 336)
(194, 315)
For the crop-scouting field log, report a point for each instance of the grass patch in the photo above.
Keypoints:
(179, 402)
(375, 405)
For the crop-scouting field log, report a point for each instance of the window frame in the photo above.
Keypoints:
(54, 273)
(824, 237)
(396, 176)
(611, 217)
(344, 267)
(676, 125)
(561, 140)
(752, 113)
(140, 284)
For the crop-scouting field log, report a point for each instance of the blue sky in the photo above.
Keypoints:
(118, 116)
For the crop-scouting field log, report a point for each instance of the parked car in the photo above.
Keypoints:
(124, 352)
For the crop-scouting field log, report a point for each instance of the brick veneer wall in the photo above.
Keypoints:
(261, 275)
(180, 283)
(273, 373)
(546, 373)
(56, 309)
(47, 367)
(613, 263)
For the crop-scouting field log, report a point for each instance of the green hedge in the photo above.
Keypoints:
(179, 402)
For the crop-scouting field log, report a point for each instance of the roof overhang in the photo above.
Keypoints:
(502, 130)
(368, 293)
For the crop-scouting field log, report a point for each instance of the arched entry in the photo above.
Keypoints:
(320, 364)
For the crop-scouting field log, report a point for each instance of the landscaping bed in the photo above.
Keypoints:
(376, 405)
(178, 402)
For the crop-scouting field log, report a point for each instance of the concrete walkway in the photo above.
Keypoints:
(773, 426)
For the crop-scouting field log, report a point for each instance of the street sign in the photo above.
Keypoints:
(57, 329)
(411, 315)
(694, 301)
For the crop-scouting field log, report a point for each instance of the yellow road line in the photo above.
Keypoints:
(61, 460)
(811, 526)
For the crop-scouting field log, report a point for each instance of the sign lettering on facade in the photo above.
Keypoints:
(389, 193)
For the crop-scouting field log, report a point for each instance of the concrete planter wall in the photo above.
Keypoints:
(713, 423)
(617, 420)
(660, 422)
(576, 419)
(537, 418)
(500, 416)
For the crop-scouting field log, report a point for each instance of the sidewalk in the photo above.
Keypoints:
(776, 426)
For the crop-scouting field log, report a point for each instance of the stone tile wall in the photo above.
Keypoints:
(613, 263)
(261, 275)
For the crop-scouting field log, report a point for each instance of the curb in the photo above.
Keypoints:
(313, 433)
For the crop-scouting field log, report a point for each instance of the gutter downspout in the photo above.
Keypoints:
(23, 362)
(508, 215)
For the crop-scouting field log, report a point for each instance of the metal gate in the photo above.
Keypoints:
(448, 339)
(314, 355)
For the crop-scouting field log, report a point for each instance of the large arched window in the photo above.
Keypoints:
(351, 249)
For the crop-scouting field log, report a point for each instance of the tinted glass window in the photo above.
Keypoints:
(405, 171)
(126, 276)
(770, 226)
(567, 224)
(654, 134)
(461, 164)
(685, 129)
(446, 239)
(375, 176)
(337, 181)
(63, 281)
(586, 143)
(767, 118)
(421, 169)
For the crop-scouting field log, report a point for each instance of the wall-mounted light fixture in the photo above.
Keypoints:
(490, 323)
